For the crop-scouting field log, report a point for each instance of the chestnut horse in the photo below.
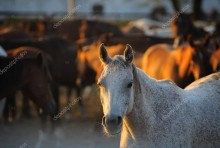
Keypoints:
(182, 65)
(31, 75)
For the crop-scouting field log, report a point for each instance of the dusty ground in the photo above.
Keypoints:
(74, 134)
(82, 130)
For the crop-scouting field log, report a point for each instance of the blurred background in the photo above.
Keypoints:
(63, 37)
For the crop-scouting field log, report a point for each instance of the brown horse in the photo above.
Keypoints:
(27, 71)
(182, 65)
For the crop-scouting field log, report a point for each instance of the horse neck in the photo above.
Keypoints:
(150, 97)
(11, 79)
(183, 76)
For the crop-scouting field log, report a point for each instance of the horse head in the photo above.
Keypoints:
(36, 79)
(116, 88)
(200, 55)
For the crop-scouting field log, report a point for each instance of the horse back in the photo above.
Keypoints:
(155, 59)
(204, 99)
(212, 80)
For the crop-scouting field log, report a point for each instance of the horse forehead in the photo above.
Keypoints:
(118, 73)
(113, 73)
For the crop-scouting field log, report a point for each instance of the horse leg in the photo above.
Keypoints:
(9, 110)
(55, 91)
(26, 107)
(2, 105)
(55, 121)
(68, 114)
(78, 93)
(80, 102)
(42, 132)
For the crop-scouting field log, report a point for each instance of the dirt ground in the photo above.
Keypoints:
(73, 134)
(76, 129)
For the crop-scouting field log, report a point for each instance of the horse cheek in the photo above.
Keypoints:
(130, 102)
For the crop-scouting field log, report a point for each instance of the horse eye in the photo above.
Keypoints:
(99, 84)
(129, 85)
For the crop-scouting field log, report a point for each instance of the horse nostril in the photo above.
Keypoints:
(119, 120)
(113, 121)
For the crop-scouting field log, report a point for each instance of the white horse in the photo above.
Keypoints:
(152, 113)
(2, 102)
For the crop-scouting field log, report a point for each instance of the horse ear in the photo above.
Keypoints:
(190, 40)
(103, 54)
(40, 59)
(128, 54)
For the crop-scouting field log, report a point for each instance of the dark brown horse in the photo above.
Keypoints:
(63, 63)
(182, 65)
(31, 75)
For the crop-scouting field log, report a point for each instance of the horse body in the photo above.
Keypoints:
(154, 113)
(160, 50)
(162, 63)
(177, 118)
(182, 65)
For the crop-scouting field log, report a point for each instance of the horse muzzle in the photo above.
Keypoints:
(112, 124)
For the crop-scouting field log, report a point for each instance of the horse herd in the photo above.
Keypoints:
(40, 60)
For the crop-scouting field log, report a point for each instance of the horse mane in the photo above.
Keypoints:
(182, 61)
(136, 81)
